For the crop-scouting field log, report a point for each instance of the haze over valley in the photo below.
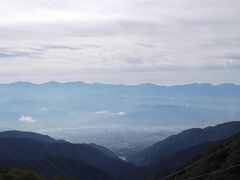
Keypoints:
(136, 115)
(119, 89)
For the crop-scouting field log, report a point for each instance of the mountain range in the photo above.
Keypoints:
(143, 114)
(49, 157)
(184, 140)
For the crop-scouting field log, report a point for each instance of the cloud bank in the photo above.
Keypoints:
(104, 40)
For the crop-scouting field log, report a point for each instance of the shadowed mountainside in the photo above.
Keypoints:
(184, 140)
(220, 164)
(59, 157)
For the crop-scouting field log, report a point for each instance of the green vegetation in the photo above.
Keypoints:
(20, 175)
(17, 174)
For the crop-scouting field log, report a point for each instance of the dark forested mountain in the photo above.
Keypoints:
(59, 157)
(16, 174)
(222, 163)
(26, 135)
(184, 140)
(178, 160)
(50, 167)
(104, 150)
(49, 157)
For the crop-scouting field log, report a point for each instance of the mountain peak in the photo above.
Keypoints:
(26, 135)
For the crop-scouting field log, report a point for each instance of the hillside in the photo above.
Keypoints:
(184, 140)
(222, 163)
(21, 175)
(26, 135)
(49, 157)
(60, 158)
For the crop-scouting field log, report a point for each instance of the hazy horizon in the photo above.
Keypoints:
(123, 84)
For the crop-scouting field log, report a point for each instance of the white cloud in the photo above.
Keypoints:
(110, 113)
(26, 119)
(102, 112)
(121, 113)
(44, 109)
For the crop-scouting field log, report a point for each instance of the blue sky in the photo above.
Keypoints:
(120, 41)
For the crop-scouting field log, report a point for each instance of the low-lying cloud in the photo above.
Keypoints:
(110, 113)
(26, 119)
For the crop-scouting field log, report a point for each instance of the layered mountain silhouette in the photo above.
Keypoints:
(179, 150)
(56, 104)
(49, 157)
(222, 163)
(184, 140)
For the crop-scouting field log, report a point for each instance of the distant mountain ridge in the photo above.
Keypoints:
(194, 87)
(140, 84)
(66, 104)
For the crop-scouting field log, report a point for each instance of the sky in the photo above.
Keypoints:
(120, 41)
